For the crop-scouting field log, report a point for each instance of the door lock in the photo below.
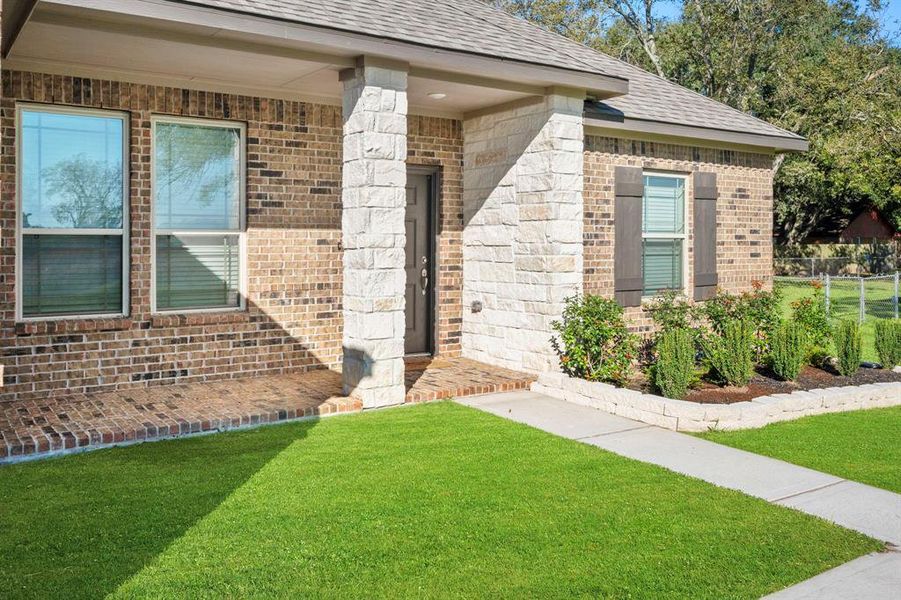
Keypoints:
(424, 275)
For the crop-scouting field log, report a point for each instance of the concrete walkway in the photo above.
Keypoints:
(872, 511)
(871, 576)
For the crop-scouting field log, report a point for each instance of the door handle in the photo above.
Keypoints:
(424, 275)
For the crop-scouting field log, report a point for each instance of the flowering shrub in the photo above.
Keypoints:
(810, 313)
(670, 311)
(760, 308)
(593, 341)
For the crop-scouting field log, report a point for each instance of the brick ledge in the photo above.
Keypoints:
(96, 439)
(24, 328)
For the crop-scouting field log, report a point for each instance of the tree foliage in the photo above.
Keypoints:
(826, 69)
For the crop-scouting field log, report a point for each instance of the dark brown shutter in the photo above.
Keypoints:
(705, 236)
(627, 276)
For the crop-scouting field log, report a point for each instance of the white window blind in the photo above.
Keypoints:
(663, 233)
(198, 215)
(72, 191)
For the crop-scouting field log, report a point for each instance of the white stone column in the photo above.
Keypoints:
(374, 178)
(522, 239)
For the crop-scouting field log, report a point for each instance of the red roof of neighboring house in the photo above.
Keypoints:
(868, 225)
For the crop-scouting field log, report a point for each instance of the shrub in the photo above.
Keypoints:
(810, 313)
(730, 353)
(788, 350)
(847, 345)
(594, 343)
(759, 307)
(669, 311)
(888, 342)
(673, 373)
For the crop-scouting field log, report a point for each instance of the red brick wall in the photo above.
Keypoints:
(293, 320)
(744, 210)
(439, 142)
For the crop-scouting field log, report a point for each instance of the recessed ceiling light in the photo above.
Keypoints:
(437, 96)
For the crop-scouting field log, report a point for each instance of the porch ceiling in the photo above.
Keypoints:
(62, 40)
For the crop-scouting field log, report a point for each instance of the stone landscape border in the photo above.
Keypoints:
(680, 415)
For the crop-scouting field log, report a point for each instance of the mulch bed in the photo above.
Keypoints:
(765, 383)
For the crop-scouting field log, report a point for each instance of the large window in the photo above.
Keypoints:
(72, 189)
(198, 215)
(663, 233)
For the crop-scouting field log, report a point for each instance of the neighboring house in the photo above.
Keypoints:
(867, 227)
(222, 188)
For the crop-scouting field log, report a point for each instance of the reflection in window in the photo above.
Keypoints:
(72, 198)
(197, 212)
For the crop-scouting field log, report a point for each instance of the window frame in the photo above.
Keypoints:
(241, 232)
(683, 290)
(21, 231)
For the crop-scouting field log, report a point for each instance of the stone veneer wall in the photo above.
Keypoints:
(522, 242)
(372, 221)
(293, 321)
(744, 211)
(681, 415)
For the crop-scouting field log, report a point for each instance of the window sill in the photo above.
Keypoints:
(72, 325)
(682, 296)
(199, 318)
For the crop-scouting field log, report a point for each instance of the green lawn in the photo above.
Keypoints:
(436, 500)
(845, 304)
(863, 446)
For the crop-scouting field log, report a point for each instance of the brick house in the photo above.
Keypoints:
(221, 188)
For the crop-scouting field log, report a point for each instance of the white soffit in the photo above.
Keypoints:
(121, 50)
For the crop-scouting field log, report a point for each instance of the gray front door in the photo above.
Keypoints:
(419, 264)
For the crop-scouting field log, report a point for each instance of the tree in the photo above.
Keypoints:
(90, 190)
(640, 19)
(615, 26)
(823, 68)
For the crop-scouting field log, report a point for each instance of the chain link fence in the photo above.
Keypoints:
(817, 260)
(847, 297)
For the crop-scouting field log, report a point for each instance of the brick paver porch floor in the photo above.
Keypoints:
(30, 428)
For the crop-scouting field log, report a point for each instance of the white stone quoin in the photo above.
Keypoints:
(374, 201)
(522, 239)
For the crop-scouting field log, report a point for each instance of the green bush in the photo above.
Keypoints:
(847, 345)
(673, 373)
(888, 342)
(760, 308)
(670, 311)
(788, 350)
(810, 313)
(594, 342)
(730, 353)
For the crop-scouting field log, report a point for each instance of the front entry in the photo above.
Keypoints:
(419, 263)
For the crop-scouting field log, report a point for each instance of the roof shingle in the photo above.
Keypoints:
(475, 27)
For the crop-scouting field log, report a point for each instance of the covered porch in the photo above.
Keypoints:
(77, 422)
(333, 204)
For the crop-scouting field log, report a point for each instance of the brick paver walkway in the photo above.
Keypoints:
(33, 427)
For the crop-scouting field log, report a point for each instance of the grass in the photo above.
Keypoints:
(862, 445)
(845, 304)
(436, 500)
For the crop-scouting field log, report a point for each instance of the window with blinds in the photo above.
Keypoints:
(198, 214)
(663, 233)
(72, 243)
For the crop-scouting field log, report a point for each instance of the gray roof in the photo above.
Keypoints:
(475, 27)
